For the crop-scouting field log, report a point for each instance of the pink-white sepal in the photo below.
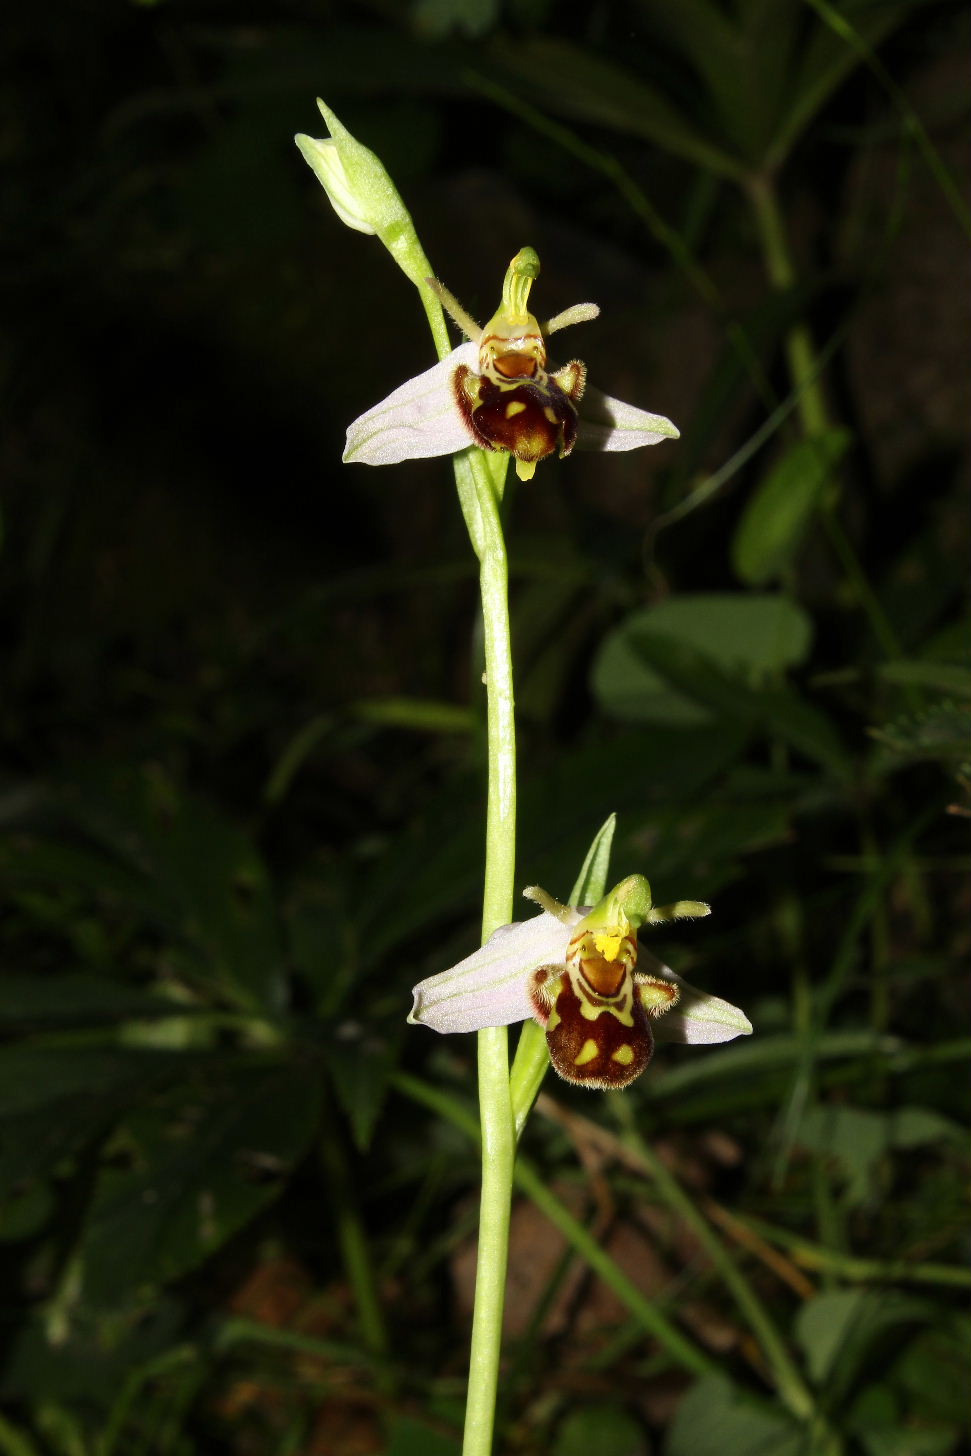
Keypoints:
(489, 988)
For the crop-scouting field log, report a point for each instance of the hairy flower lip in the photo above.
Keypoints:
(489, 987)
(420, 419)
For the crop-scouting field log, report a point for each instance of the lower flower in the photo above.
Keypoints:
(576, 972)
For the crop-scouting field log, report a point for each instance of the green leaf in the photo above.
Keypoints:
(360, 1067)
(749, 636)
(200, 1163)
(572, 80)
(779, 713)
(25, 1214)
(778, 514)
(931, 1371)
(743, 59)
(854, 1137)
(422, 715)
(716, 1419)
(605, 1429)
(174, 862)
(410, 1437)
(53, 1102)
(826, 59)
(840, 1329)
(63, 1001)
(436, 19)
(939, 734)
(944, 677)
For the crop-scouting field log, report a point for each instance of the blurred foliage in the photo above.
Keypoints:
(241, 718)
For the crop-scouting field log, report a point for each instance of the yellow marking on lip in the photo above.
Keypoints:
(607, 945)
(624, 1055)
(513, 408)
(588, 1053)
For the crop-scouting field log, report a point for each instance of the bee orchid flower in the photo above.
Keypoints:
(499, 392)
(575, 971)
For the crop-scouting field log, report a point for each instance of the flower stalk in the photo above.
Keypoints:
(495, 1104)
(494, 399)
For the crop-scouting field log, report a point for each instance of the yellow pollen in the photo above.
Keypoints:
(588, 1052)
(624, 1055)
(513, 408)
(608, 945)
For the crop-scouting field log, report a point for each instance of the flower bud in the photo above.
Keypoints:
(362, 194)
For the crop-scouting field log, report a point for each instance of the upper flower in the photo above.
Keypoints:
(498, 392)
(574, 971)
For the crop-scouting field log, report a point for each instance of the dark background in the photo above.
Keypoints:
(242, 731)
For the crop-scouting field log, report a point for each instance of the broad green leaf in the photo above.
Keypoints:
(436, 19)
(717, 1419)
(200, 1163)
(360, 1065)
(34, 1078)
(938, 734)
(567, 79)
(904, 1438)
(854, 1137)
(775, 520)
(51, 1001)
(605, 1429)
(94, 1360)
(931, 1371)
(749, 636)
(410, 1437)
(840, 1329)
(25, 1213)
(176, 864)
(858, 1138)
(826, 59)
(55, 1102)
(944, 677)
(743, 60)
(778, 713)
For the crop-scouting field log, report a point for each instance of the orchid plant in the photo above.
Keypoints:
(571, 972)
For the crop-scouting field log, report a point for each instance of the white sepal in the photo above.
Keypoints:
(609, 424)
(698, 1019)
(416, 421)
(490, 987)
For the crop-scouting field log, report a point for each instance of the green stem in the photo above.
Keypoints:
(13, 1442)
(804, 370)
(849, 1267)
(651, 1319)
(495, 1106)
(792, 1389)
(782, 275)
(352, 1240)
(479, 481)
